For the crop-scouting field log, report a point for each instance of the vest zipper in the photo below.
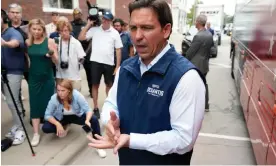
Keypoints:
(138, 88)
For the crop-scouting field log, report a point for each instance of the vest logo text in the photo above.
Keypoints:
(155, 91)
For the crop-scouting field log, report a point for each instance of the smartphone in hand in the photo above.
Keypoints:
(87, 129)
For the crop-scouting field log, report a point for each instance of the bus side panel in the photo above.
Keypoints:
(246, 66)
(260, 114)
(271, 155)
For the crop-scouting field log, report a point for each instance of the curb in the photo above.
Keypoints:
(67, 154)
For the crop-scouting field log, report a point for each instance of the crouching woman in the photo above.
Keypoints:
(68, 106)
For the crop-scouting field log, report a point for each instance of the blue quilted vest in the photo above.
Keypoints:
(143, 104)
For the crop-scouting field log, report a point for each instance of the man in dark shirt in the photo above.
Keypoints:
(210, 29)
(127, 50)
(12, 66)
(15, 21)
(77, 25)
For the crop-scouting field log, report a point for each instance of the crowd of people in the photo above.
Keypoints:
(47, 55)
(155, 100)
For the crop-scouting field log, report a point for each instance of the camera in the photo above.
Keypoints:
(64, 65)
(95, 12)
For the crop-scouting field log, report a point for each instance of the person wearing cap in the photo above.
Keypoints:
(77, 25)
(50, 28)
(104, 39)
(77, 22)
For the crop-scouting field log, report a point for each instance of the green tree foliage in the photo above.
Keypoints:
(190, 15)
(228, 19)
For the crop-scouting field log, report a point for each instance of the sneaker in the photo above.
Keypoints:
(207, 110)
(101, 153)
(22, 98)
(11, 133)
(35, 140)
(19, 137)
(97, 113)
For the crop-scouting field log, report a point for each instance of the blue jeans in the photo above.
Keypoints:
(74, 119)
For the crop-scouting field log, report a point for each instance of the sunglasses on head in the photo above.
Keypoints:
(13, 5)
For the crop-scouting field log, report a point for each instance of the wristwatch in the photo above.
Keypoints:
(51, 52)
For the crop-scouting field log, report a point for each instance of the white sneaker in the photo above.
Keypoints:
(22, 98)
(101, 153)
(19, 137)
(11, 133)
(35, 140)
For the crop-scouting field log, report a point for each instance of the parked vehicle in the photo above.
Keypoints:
(215, 15)
(188, 38)
(253, 55)
(228, 29)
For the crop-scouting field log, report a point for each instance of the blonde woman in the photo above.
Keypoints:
(42, 52)
(68, 106)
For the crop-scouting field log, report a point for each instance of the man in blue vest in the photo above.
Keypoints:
(155, 108)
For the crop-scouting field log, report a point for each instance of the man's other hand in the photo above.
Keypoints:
(113, 127)
(103, 142)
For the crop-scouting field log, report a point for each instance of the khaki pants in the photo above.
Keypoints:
(76, 84)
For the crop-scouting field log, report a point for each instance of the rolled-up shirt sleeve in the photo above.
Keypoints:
(187, 109)
(79, 50)
(90, 33)
(18, 37)
(110, 103)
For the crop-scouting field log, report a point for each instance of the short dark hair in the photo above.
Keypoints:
(160, 7)
(119, 20)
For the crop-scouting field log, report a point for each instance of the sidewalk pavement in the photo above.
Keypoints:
(176, 40)
(52, 149)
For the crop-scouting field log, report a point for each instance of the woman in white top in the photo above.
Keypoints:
(71, 55)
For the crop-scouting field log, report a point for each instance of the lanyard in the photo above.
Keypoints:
(60, 48)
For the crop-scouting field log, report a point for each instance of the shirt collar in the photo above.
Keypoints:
(123, 33)
(107, 29)
(157, 58)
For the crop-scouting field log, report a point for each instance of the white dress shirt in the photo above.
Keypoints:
(187, 109)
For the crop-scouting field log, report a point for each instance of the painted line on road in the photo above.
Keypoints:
(211, 63)
(219, 64)
(224, 137)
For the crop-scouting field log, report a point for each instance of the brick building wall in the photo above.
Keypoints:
(34, 9)
(121, 9)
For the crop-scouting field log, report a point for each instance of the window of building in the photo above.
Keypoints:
(61, 6)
